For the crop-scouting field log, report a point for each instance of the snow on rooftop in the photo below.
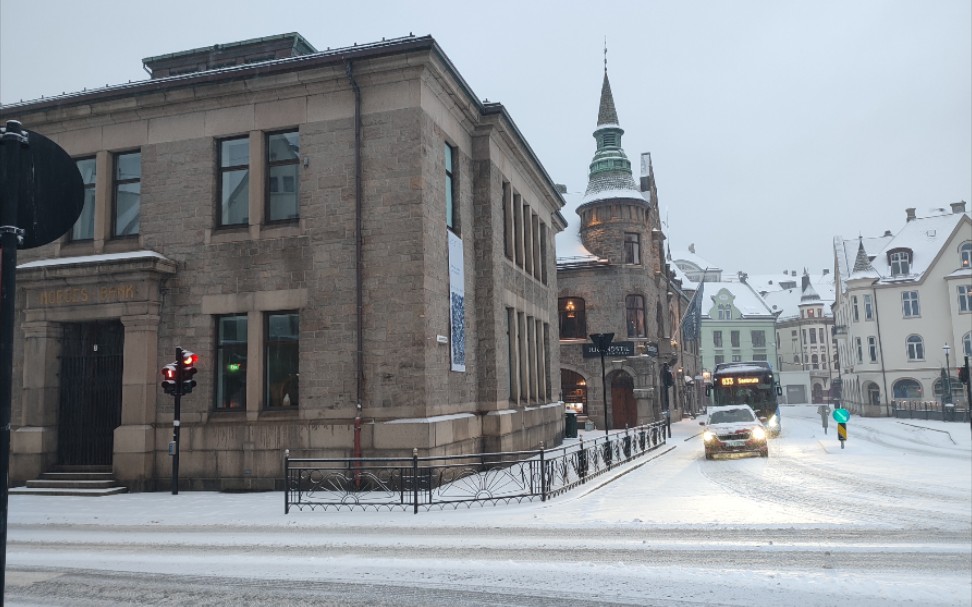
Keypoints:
(92, 259)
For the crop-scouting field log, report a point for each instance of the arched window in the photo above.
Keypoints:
(573, 321)
(874, 393)
(916, 347)
(635, 315)
(906, 388)
(965, 254)
(573, 388)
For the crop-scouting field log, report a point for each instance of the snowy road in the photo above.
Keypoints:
(886, 521)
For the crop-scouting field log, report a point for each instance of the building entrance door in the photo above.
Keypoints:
(90, 392)
(624, 410)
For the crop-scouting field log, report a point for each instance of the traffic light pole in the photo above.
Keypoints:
(176, 423)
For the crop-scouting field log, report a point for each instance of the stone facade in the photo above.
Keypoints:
(373, 123)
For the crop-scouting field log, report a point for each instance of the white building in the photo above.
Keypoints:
(903, 305)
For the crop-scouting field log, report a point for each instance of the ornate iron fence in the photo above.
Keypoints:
(426, 483)
(930, 409)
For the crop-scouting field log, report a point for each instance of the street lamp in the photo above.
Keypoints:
(947, 395)
(602, 341)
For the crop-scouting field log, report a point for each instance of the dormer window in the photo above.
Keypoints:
(965, 255)
(900, 262)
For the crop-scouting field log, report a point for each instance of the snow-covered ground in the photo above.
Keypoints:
(885, 521)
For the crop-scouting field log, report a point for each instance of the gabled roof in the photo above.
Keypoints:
(749, 303)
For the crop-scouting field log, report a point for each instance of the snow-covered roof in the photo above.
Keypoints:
(568, 242)
(89, 259)
(693, 258)
(749, 303)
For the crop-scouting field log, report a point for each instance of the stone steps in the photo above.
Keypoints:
(93, 481)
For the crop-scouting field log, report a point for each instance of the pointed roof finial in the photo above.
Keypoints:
(605, 54)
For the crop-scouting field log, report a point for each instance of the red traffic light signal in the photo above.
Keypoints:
(169, 375)
(188, 361)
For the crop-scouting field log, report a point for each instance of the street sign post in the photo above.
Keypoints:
(841, 416)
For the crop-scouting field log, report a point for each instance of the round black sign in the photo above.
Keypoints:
(50, 191)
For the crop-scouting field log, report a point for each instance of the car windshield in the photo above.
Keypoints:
(730, 416)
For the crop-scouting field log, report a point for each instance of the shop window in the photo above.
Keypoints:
(282, 355)
(231, 347)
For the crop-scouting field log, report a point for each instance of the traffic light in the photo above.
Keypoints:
(963, 374)
(188, 370)
(169, 374)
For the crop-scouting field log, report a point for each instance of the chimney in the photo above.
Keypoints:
(888, 233)
(792, 272)
(804, 282)
(911, 213)
(958, 207)
(826, 271)
(561, 188)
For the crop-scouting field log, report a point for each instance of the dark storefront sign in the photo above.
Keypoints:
(620, 348)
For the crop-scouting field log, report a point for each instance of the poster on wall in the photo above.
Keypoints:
(457, 303)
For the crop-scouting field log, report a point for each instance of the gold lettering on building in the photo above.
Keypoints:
(82, 295)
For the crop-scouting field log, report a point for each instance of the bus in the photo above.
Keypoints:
(749, 383)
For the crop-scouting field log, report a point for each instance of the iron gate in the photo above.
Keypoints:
(90, 392)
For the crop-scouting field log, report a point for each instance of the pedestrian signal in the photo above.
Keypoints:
(169, 374)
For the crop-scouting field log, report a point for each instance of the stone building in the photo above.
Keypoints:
(620, 286)
(338, 235)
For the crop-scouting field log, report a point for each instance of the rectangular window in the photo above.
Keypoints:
(128, 194)
(900, 263)
(820, 332)
(854, 311)
(518, 230)
(231, 342)
(717, 339)
(872, 349)
(965, 299)
(734, 339)
(860, 349)
(909, 304)
(513, 354)
(632, 248)
(283, 165)
(737, 358)
(868, 308)
(759, 357)
(234, 181)
(813, 336)
(719, 359)
(543, 252)
(759, 338)
(84, 227)
(508, 219)
(282, 356)
(636, 315)
(450, 188)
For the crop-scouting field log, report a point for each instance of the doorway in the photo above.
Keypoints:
(624, 410)
(90, 392)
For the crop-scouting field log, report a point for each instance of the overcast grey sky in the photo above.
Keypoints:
(772, 125)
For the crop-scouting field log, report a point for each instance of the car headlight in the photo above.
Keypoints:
(708, 436)
(759, 433)
(773, 421)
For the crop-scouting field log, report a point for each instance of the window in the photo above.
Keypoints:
(868, 308)
(916, 347)
(900, 263)
(508, 220)
(282, 356)
(909, 304)
(856, 315)
(574, 388)
(234, 181)
(967, 344)
(759, 357)
(737, 358)
(84, 227)
(860, 349)
(759, 338)
(965, 298)
(820, 332)
(813, 336)
(573, 322)
(717, 339)
(872, 349)
(128, 194)
(734, 339)
(815, 361)
(450, 188)
(965, 254)
(632, 248)
(719, 359)
(231, 362)
(635, 305)
(283, 161)
(724, 311)
(906, 388)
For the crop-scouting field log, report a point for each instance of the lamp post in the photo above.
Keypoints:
(947, 388)
(602, 341)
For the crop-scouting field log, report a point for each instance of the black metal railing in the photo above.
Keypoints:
(930, 409)
(437, 482)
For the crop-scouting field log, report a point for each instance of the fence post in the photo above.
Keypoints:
(415, 481)
(582, 461)
(286, 466)
(543, 474)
